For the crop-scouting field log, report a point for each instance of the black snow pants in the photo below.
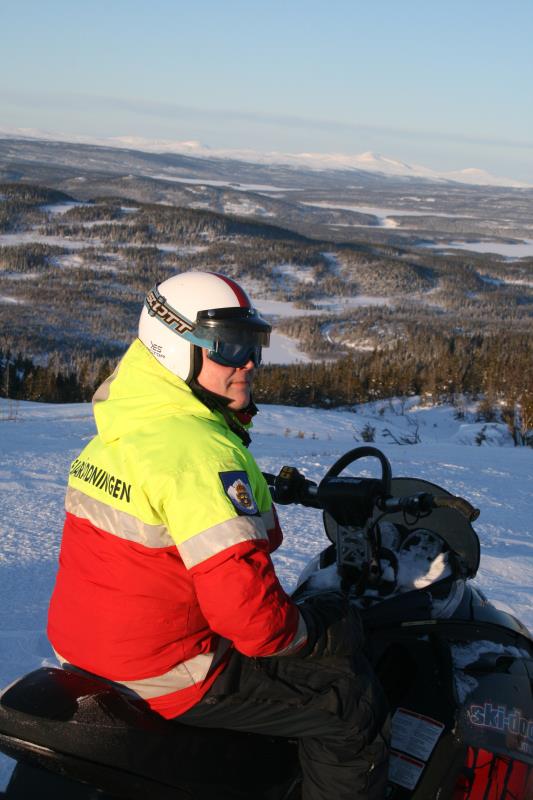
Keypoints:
(335, 707)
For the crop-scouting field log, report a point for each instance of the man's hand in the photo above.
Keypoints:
(333, 629)
(290, 486)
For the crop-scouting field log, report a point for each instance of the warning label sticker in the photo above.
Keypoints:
(404, 770)
(414, 733)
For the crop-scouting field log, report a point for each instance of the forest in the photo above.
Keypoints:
(73, 275)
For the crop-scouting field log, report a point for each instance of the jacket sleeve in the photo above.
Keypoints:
(273, 528)
(225, 543)
(242, 599)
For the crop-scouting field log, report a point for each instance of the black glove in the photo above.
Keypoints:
(290, 486)
(332, 628)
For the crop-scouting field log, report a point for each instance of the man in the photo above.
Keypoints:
(165, 583)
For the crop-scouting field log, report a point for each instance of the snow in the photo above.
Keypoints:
(328, 305)
(20, 276)
(384, 214)
(368, 161)
(291, 273)
(247, 209)
(281, 308)
(283, 350)
(38, 442)
(335, 305)
(241, 187)
(62, 208)
(182, 249)
(28, 237)
(522, 249)
(465, 654)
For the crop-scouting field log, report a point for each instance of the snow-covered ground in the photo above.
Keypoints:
(368, 161)
(327, 305)
(33, 237)
(385, 216)
(241, 187)
(38, 442)
(510, 250)
(284, 350)
(62, 208)
(246, 208)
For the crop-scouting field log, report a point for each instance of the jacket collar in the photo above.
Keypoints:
(235, 420)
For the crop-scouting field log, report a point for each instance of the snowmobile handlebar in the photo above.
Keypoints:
(290, 486)
(424, 502)
(413, 504)
(351, 501)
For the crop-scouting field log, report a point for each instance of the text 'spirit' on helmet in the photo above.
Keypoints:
(202, 309)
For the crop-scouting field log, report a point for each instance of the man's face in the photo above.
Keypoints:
(235, 383)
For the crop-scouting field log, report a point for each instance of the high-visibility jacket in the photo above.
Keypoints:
(164, 560)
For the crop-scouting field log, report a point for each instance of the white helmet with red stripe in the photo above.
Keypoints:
(201, 309)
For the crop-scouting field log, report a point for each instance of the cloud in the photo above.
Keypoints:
(166, 110)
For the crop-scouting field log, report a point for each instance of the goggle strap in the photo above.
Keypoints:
(157, 306)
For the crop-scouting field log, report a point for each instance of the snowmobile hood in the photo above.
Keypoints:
(140, 391)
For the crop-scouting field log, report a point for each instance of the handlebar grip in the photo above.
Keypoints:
(413, 504)
(425, 502)
(460, 504)
(290, 486)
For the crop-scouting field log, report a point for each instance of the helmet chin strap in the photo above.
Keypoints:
(197, 361)
(217, 402)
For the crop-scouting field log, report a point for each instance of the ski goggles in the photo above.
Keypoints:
(235, 355)
(232, 336)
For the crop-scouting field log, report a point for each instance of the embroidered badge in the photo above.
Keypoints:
(239, 491)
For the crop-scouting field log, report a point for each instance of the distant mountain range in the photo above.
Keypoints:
(368, 162)
(333, 198)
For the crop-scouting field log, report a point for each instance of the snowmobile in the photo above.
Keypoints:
(458, 672)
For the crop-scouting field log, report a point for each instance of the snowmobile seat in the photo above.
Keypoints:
(85, 729)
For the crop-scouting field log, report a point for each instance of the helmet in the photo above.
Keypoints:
(201, 309)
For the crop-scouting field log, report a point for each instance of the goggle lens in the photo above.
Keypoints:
(229, 354)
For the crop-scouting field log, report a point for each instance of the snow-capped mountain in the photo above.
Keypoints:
(367, 162)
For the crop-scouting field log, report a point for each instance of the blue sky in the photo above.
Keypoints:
(442, 83)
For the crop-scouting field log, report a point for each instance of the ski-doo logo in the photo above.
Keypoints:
(498, 718)
(85, 471)
(168, 316)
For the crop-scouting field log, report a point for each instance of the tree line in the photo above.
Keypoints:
(434, 366)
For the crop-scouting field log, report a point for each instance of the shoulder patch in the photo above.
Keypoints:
(237, 487)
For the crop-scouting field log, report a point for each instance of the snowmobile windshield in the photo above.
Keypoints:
(231, 335)
(448, 523)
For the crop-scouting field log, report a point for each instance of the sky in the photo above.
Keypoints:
(447, 84)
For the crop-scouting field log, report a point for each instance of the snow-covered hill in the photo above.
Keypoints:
(366, 162)
(38, 441)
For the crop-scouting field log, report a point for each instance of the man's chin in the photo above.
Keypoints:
(240, 400)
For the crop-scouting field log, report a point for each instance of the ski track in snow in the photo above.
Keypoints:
(38, 442)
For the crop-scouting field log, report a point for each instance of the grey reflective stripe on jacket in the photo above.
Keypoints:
(182, 676)
(119, 523)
